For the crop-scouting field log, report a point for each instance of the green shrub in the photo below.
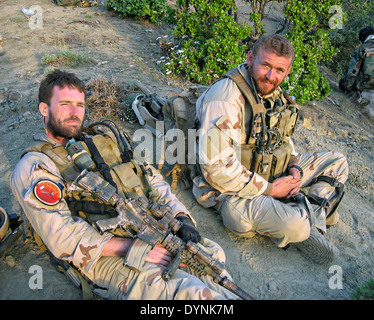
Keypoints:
(359, 14)
(309, 35)
(208, 41)
(152, 10)
(364, 292)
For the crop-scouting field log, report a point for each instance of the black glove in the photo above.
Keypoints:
(187, 231)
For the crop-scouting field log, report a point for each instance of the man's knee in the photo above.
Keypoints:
(235, 217)
(285, 222)
(294, 228)
(338, 166)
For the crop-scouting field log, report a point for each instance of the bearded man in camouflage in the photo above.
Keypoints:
(250, 171)
(115, 265)
(360, 75)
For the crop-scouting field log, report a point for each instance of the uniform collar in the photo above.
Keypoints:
(43, 137)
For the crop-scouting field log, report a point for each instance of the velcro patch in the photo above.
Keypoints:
(48, 192)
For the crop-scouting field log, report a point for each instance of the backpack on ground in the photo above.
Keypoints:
(176, 112)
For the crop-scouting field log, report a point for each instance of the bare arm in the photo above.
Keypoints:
(118, 247)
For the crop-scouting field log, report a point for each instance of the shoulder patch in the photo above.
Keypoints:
(48, 192)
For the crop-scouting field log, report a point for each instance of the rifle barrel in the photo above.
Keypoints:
(143, 88)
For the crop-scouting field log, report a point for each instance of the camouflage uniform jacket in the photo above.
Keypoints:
(224, 120)
(360, 75)
(68, 237)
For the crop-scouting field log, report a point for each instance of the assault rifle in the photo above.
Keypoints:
(152, 99)
(153, 223)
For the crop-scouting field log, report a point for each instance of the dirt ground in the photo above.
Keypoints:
(125, 50)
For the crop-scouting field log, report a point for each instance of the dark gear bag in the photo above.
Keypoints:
(178, 115)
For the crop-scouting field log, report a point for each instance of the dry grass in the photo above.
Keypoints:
(103, 98)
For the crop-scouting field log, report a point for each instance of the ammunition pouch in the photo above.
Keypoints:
(129, 178)
(261, 163)
(268, 165)
(266, 151)
(281, 157)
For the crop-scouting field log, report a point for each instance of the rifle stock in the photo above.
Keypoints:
(153, 223)
(12, 235)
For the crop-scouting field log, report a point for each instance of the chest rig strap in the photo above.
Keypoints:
(257, 127)
(98, 159)
(266, 150)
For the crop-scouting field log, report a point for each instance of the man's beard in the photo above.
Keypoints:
(257, 81)
(57, 129)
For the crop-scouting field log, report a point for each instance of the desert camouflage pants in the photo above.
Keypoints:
(119, 282)
(286, 222)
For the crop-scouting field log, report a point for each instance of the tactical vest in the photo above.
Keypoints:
(266, 149)
(129, 178)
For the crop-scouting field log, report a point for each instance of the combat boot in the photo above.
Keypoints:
(332, 219)
(317, 248)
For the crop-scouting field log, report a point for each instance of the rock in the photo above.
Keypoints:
(10, 261)
(272, 285)
(307, 123)
(3, 96)
(369, 111)
(14, 96)
(315, 121)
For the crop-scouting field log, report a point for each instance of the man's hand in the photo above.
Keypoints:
(159, 255)
(285, 187)
(188, 231)
(296, 173)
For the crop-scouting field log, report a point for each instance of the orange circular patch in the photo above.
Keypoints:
(48, 192)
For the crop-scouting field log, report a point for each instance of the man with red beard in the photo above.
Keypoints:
(250, 171)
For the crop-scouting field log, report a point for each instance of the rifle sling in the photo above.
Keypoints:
(98, 159)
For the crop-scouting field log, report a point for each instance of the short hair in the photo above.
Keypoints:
(60, 79)
(276, 43)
